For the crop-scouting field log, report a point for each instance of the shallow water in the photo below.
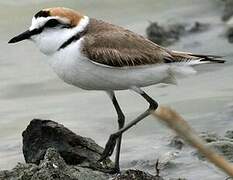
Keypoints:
(29, 89)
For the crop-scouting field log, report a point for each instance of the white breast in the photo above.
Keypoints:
(72, 67)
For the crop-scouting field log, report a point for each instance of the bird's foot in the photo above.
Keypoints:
(106, 168)
(112, 171)
(109, 147)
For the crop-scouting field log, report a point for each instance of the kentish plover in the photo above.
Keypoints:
(96, 55)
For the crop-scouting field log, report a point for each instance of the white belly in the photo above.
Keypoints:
(77, 70)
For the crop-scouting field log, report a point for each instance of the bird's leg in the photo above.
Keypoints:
(121, 122)
(109, 147)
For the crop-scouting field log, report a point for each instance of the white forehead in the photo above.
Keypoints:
(40, 21)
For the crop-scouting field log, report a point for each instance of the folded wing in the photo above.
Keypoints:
(115, 46)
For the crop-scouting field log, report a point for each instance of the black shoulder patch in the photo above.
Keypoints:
(42, 13)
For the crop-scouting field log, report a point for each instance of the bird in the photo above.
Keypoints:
(93, 54)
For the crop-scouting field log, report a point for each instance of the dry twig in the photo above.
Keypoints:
(173, 120)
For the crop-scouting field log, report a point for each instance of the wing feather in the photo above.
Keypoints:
(112, 45)
(115, 46)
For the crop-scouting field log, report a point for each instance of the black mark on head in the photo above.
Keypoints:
(42, 13)
(52, 23)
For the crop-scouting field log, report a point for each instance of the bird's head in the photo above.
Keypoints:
(52, 27)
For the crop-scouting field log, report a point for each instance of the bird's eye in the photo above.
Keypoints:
(52, 23)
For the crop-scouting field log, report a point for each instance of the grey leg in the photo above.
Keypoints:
(113, 137)
(121, 122)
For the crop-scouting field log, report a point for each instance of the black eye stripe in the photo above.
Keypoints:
(42, 14)
(49, 24)
(54, 22)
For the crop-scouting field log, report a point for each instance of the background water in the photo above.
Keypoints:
(29, 89)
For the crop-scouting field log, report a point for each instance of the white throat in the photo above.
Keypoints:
(50, 40)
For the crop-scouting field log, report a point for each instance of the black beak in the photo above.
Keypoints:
(25, 35)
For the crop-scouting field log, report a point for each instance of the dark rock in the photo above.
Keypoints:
(210, 137)
(198, 27)
(213, 137)
(74, 149)
(169, 34)
(224, 148)
(177, 142)
(164, 35)
(228, 10)
(53, 167)
(19, 172)
(222, 145)
(229, 134)
(229, 34)
(136, 175)
(52, 148)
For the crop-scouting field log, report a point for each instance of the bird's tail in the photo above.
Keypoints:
(195, 59)
(181, 63)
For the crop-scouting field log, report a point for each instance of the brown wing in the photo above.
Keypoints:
(115, 46)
